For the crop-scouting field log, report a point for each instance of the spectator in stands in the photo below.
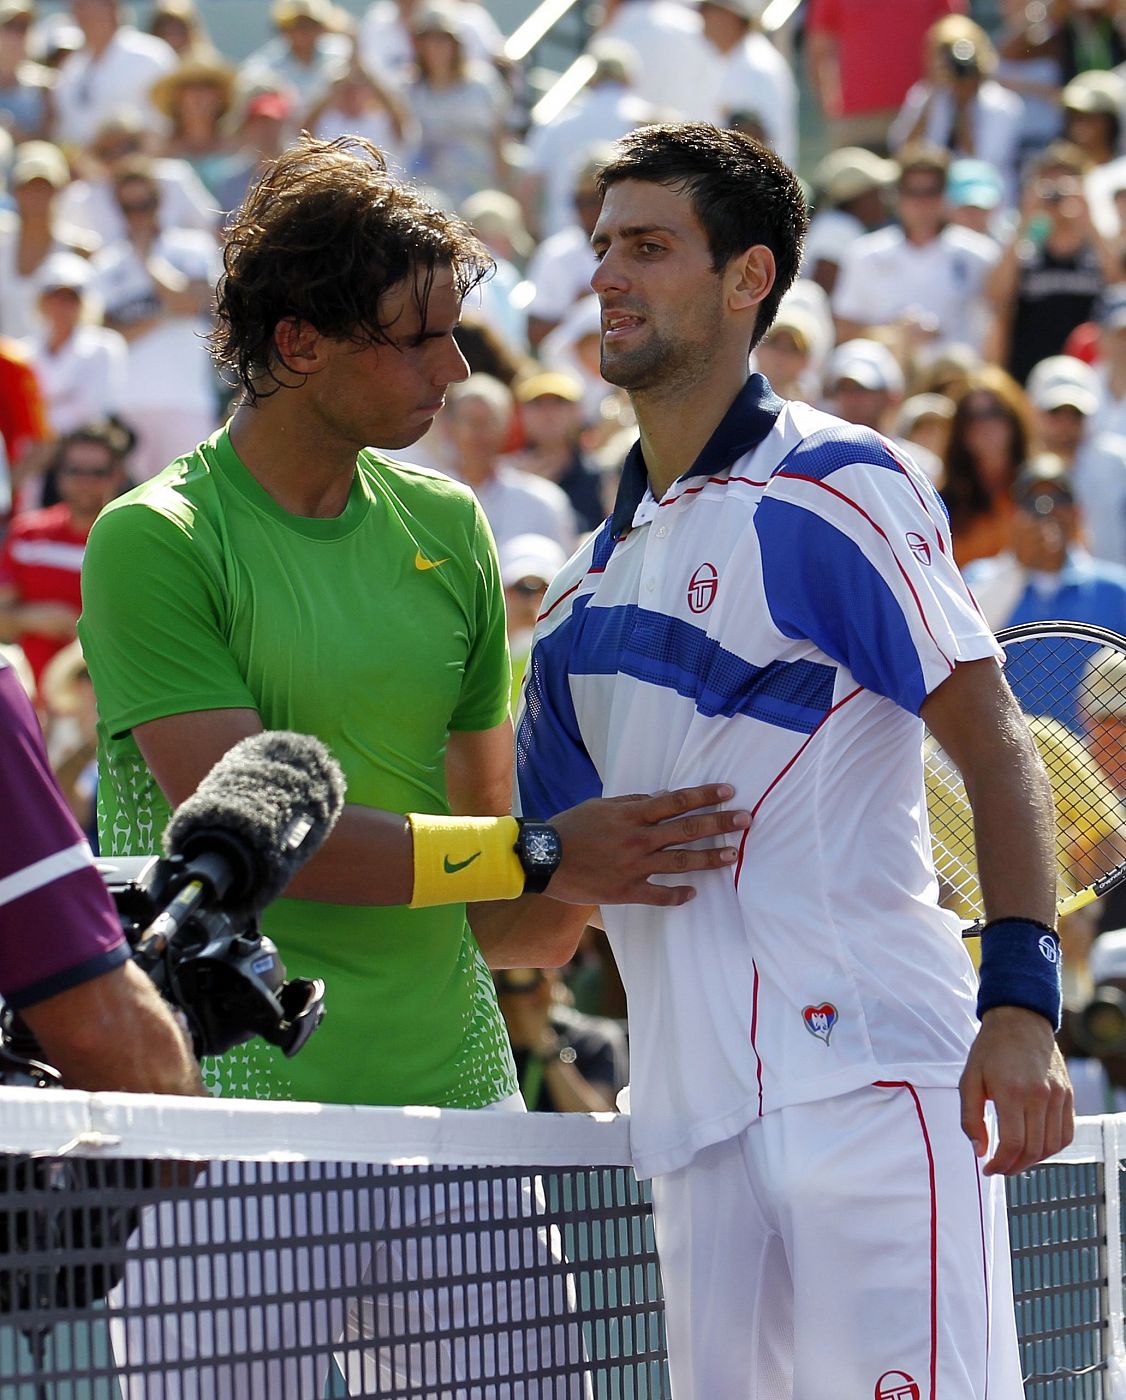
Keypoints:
(1052, 268)
(975, 193)
(1092, 107)
(1064, 394)
(498, 222)
(25, 86)
(1081, 34)
(178, 23)
(550, 407)
(114, 70)
(194, 99)
(849, 200)
(260, 137)
(41, 559)
(1033, 76)
(864, 383)
(33, 232)
(157, 286)
(385, 46)
(80, 364)
(753, 75)
(24, 430)
(860, 84)
(923, 421)
(561, 267)
(922, 272)
(461, 107)
(1110, 314)
(72, 734)
(676, 69)
(566, 1061)
(306, 53)
(959, 106)
(89, 202)
(787, 354)
(357, 103)
(475, 429)
(528, 563)
(990, 437)
(560, 148)
(1047, 575)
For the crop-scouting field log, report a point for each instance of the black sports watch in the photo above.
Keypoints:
(539, 851)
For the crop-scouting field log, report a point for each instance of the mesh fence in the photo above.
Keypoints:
(371, 1261)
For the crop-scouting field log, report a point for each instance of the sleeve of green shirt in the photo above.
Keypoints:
(152, 621)
(484, 699)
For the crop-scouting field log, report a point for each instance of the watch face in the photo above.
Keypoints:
(541, 847)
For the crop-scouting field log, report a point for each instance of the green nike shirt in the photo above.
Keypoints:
(379, 631)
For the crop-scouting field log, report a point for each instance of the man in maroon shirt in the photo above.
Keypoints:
(41, 561)
(863, 55)
(64, 963)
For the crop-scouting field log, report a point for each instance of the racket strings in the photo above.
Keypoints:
(1073, 694)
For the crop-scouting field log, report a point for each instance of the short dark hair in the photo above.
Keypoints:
(740, 191)
(320, 238)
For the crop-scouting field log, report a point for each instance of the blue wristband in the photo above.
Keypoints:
(1020, 966)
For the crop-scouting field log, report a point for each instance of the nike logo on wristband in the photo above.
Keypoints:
(451, 867)
(422, 563)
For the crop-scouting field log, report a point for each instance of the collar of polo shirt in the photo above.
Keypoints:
(744, 425)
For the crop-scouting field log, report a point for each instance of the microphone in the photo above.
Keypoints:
(255, 819)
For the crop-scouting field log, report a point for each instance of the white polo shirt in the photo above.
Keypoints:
(775, 621)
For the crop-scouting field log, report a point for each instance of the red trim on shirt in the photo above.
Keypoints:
(902, 1084)
(754, 1033)
(824, 486)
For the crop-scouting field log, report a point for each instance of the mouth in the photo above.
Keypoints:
(618, 325)
(429, 410)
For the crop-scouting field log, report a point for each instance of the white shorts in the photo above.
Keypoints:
(846, 1248)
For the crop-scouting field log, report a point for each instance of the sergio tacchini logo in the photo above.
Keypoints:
(422, 563)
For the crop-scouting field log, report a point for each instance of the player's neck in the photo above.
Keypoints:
(676, 425)
(305, 471)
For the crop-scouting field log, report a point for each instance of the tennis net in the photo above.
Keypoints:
(297, 1251)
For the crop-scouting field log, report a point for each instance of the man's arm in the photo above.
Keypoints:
(611, 847)
(1014, 1060)
(114, 1032)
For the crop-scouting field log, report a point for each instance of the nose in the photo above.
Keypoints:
(608, 275)
(455, 367)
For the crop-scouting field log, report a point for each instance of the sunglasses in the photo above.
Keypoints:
(90, 473)
(528, 587)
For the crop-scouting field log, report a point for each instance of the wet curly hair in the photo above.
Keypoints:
(320, 238)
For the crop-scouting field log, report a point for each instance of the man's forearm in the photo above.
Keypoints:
(115, 1033)
(532, 931)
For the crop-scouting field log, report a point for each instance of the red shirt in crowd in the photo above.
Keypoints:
(879, 46)
(42, 560)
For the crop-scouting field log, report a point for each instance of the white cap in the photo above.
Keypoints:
(1107, 957)
(867, 363)
(64, 269)
(1062, 380)
(530, 556)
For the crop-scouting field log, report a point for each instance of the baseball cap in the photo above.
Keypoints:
(39, 160)
(1111, 308)
(63, 269)
(1043, 474)
(437, 18)
(287, 12)
(549, 385)
(530, 556)
(851, 171)
(269, 104)
(745, 9)
(799, 323)
(919, 406)
(974, 184)
(867, 363)
(1095, 91)
(1063, 381)
(16, 9)
(1102, 691)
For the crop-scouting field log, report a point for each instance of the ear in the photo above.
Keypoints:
(300, 346)
(751, 276)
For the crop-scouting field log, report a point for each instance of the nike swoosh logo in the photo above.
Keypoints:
(451, 867)
(421, 563)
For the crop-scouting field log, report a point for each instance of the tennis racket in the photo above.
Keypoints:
(1070, 681)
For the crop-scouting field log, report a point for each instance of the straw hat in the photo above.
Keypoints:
(195, 70)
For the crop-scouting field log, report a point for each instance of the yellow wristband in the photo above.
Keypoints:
(460, 860)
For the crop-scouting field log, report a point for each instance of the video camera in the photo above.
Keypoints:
(191, 920)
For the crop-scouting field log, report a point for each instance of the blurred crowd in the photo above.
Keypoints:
(963, 292)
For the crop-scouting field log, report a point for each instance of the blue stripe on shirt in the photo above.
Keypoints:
(820, 586)
(823, 453)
